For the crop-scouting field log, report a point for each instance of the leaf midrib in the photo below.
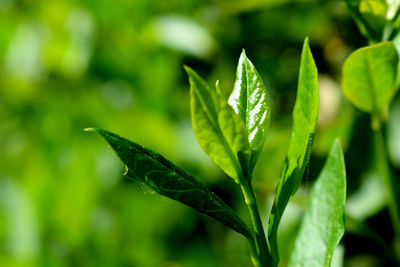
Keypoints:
(373, 87)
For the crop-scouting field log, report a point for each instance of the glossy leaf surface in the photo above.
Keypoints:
(250, 101)
(322, 226)
(305, 118)
(218, 129)
(369, 78)
(169, 180)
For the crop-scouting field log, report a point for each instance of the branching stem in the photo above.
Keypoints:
(263, 255)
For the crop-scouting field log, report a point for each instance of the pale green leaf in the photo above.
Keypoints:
(322, 226)
(250, 101)
(169, 180)
(218, 129)
(369, 78)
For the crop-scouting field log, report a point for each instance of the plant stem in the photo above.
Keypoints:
(253, 251)
(263, 255)
(390, 181)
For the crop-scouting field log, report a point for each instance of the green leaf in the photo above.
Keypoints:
(322, 226)
(250, 101)
(305, 118)
(169, 180)
(305, 113)
(218, 129)
(369, 78)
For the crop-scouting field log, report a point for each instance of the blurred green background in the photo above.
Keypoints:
(117, 65)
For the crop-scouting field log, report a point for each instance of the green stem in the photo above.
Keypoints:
(263, 255)
(253, 252)
(389, 180)
(273, 239)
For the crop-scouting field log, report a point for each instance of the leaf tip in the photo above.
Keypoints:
(337, 146)
(306, 46)
(337, 142)
(190, 73)
(187, 69)
(306, 40)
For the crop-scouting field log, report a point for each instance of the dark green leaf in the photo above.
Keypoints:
(322, 226)
(169, 180)
(305, 118)
(250, 101)
(218, 129)
(369, 78)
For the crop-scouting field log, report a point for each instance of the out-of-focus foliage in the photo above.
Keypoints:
(369, 78)
(67, 65)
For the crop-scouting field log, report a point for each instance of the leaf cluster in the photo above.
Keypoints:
(232, 132)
